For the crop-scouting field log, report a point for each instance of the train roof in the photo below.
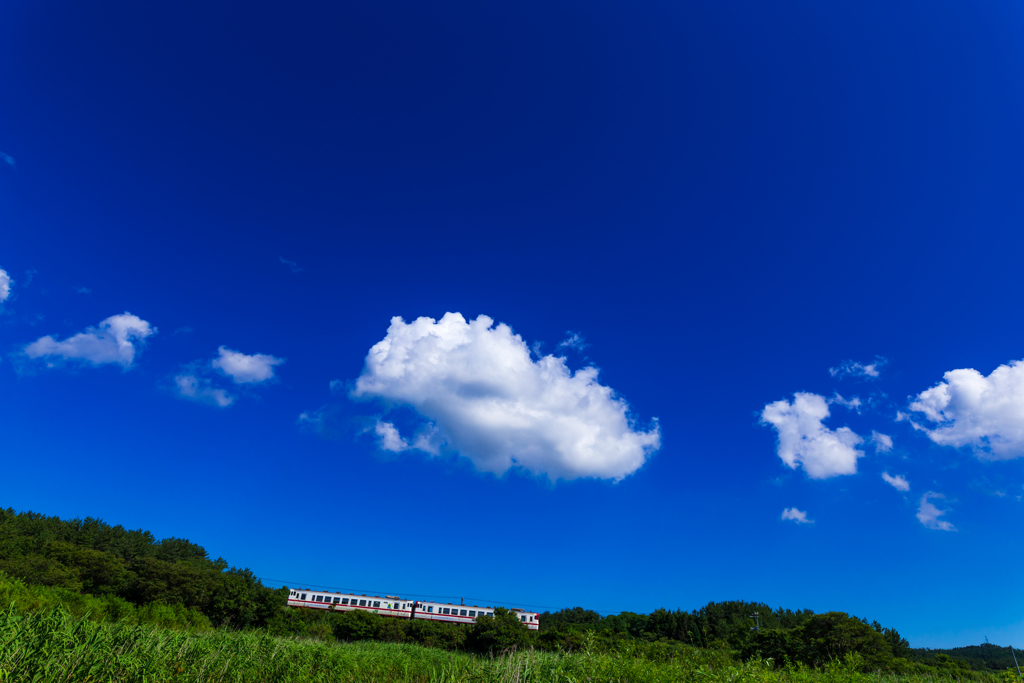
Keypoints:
(395, 597)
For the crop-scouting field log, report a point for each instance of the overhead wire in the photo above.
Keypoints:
(285, 582)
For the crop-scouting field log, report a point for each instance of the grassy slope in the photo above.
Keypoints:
(57, 646)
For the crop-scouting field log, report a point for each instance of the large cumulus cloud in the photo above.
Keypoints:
(483, 395)
(985, 413)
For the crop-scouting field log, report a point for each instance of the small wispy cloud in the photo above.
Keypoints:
(798, 516)
(245, 368)
(853, 403)
(573, 340)
(200, 389)
(8, 159)
(389, 439)
(82, 290)
(898, 482)
(183, 330)
(292, 265)
(881, 442)
(115, 340)
(929, 515)
(855, 369)
(5, 285)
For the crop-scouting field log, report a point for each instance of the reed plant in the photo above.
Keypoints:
(55, 645)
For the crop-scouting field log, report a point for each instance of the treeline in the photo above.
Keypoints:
(116, 574)
(748, 629)
(984, 657)
(92, 557)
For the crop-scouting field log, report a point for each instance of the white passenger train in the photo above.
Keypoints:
(394, 606)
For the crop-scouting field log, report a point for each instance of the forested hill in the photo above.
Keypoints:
(984, 657)
(131, 572)
(90, 556)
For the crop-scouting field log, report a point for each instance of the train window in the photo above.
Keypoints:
(303, 596)
(445, 610)
(462, 613)
(523, 617)
(430, 609)
(362, 603)
(376, 603)
(344, 601)
(337, 600)
(472, 612)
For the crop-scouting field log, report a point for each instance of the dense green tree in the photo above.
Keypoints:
(563, 619)
(504, 631)
(833, 635)
(100, 573)
(41, 570)
(781, 645)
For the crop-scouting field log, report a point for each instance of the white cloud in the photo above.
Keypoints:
(485, 398)
(881, 442)
(853, 404)
(112, 341)
(243, 368)
(5, 285)
(389, 438)
(929, 515)
(574, 340)
(898, 482)
(985, 413)
(797, 516)
(200, 389)
(292, 265)
(849, 367)
(805, 440)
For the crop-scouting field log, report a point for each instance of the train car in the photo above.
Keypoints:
(388, 606)
(446, 611)
(467, 614)
(395, 606)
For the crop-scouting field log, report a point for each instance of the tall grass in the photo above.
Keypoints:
(55, 645)
(34, 598)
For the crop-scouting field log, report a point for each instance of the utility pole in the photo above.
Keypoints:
(1015, 661)
(757, 621)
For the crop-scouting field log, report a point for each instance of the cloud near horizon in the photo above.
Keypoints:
(114, 340)
(805, 440)
(483, 396)
(969, 409)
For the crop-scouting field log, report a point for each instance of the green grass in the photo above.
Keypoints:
(55, 645)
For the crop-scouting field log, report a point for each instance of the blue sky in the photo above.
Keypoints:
(662, 297)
